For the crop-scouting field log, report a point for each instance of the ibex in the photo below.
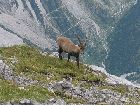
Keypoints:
(66, 45)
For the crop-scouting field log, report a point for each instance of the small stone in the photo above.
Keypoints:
(26, 102)
(21, 88)
(60, 102)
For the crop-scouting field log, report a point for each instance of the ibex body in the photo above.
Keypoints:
(66, 45)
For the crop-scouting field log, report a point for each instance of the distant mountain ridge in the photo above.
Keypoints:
(124, 55)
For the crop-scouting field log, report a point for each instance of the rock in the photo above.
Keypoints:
(14, 60)
(7, 103)
(54, 101)
(62, 85)
(25, 102)
(54, 54)
(7, 73)
(24, 81)
(60, 102)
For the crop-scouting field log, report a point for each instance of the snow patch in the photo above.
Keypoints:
(112, 79)
(128, 74)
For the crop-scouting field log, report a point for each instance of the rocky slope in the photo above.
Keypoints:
(31, 77)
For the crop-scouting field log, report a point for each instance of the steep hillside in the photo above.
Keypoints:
(124, 46)
(30, 77)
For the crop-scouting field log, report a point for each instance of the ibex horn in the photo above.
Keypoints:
(78, 37)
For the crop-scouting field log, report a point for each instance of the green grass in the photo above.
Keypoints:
(32, 63)
(69, 98)
(45, 69)
(120, 88)
(9, 92)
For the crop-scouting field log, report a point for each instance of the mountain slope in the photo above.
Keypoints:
(28, 76)
(124, 48)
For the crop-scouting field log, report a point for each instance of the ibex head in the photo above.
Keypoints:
(82, 44)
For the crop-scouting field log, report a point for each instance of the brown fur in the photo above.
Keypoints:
(66, 45)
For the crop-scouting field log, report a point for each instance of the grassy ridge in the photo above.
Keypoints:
(43, 68)
(30, 62)
(9, 91)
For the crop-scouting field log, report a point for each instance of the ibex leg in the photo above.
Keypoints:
(68, 57)
(77, 59)
(60, 50)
